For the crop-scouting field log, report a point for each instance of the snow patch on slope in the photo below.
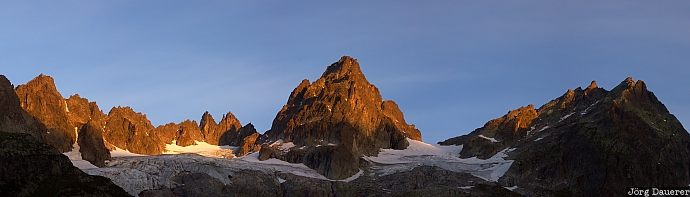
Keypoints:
(566, 117)
(489, 138)
(201, 148)
(390, 161)
(118, 152)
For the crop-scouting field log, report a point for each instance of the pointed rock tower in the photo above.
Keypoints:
(342, 116)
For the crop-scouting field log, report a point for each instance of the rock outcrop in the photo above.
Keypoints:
(132, 131)
(41, 99)
(588, 141)
(339, 115)
(89, 119)
(215, 132)
(227, 130)
(246, 140)
(230, 132)
(188, 133)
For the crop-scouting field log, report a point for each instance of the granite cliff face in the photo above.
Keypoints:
(588, 141)
(338, 118)
(41, 99)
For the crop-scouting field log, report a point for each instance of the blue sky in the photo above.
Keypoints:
(450, 65)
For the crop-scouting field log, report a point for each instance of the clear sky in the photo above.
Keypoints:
(450, 65)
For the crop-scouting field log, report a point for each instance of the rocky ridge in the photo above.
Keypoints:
(59, 121)
(588, 141)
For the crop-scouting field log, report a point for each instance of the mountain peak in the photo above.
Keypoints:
(629, 82)
(593, 89)
(43, 77)
(340, 108)
(41, 83)
(346, 66)
(206, 116)
(592, 85)
(4, 80)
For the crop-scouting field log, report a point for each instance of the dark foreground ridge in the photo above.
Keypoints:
(31, 168)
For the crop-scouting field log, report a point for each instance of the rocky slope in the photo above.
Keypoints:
(588, 141)
(335, 120)
(14, 118)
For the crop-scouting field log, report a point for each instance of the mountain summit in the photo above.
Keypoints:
(342, 116)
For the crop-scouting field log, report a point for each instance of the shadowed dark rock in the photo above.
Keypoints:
(593, 141)
(92, 147)
(13, 117)
(31, 168)
(89, 119)
(246, 140)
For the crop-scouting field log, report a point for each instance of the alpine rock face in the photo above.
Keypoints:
(588, 141)
(335, 120)
(41, 99)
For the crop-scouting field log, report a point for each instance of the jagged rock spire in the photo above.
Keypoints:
(341, 108)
